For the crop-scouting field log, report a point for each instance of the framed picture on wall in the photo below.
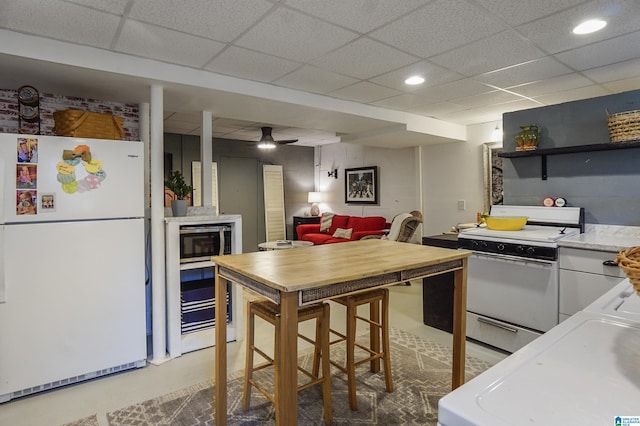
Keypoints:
(361, 185)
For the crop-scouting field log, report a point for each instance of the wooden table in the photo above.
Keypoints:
(294, 278)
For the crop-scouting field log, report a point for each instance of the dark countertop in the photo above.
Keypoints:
(442, 240)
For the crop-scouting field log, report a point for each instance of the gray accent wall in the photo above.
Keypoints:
(297, 162)
(605, 183)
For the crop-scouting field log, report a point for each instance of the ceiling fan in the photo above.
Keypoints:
(267, 142)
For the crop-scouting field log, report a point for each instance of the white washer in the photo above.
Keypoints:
(584, 371)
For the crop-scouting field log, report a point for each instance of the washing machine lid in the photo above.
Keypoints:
(584, 371)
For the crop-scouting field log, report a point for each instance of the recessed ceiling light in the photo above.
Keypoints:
(413, 80)
(588, 27)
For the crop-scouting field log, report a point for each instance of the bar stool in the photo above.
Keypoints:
(379, 325)
(270, 312)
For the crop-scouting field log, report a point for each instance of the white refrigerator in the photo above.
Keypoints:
(72, 261)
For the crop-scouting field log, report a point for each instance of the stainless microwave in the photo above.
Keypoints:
(199, 242)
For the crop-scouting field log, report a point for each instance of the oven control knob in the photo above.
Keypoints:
(500, 247)
(520, 249)
(474, 243)
(484, 244)
(530, 250)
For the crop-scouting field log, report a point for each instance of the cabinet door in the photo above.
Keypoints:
(579, 289)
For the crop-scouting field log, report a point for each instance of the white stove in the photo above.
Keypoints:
(513, 276)
(584, 371)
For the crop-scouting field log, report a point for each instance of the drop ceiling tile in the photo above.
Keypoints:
(292, 35)
(488, 114)
(623, 85)
(154, 42)
(171, 126)
(355, 59)
(184, 117)
(221, 20)
(243, 63)
(619, 49)
(572, 95)
(519, 12)
(315, 80)
(538, 69)
(439, 26)
(363, 92)
(553, 34)
(361, 16)
(619, 71)
(456, 89)
(60, 20)
(116, 7)
(402, 102)
(498, 51)
(433, 75)
(487, 99)
(551, 85)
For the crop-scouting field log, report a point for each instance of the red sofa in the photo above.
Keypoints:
(342, 229)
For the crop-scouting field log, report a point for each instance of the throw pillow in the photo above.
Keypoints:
(325, 222)
(343, 233)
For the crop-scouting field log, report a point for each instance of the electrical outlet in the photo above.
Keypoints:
(461, 205)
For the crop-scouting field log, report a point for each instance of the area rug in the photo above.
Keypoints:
(421, 376)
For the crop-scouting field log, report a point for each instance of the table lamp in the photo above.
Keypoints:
(314, 198)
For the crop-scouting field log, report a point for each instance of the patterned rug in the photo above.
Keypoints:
(421, 376)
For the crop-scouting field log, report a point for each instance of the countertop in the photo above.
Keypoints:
(611, 238)
(583, 371)
(200, 219)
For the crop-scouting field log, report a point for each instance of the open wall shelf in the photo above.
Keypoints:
(543, 153)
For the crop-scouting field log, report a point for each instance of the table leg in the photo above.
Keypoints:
(459, 324)
(286, 369)
(221, 349)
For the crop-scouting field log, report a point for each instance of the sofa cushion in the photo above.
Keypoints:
(318, 239)
(342, 233)
(339, 221)
(367, 223)
(325, 222)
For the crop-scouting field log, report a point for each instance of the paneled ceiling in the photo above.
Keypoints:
(324, 71)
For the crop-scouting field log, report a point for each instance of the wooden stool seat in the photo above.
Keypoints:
(270, 312)
(378, 301)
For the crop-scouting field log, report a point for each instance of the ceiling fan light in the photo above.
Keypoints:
(590, 26)
(266, 145)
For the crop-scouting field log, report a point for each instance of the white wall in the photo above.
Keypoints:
(453, 172)
(397, 169)
(450, 172)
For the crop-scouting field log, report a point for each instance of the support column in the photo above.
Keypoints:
(206, 150)
(158, 289)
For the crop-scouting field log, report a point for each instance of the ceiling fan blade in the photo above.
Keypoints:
(284, 142)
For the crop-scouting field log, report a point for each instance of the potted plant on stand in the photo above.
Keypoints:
(175, 182)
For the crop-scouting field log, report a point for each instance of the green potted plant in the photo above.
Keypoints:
(175, 182)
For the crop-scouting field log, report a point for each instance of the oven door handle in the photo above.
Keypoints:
(513, 259)
(497, 324)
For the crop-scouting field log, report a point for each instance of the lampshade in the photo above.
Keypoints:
(314, 197)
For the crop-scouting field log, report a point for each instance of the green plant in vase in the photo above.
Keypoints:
(175, 182)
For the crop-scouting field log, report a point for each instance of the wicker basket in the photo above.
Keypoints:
(84, 124)
(629, 261)
(624, 126)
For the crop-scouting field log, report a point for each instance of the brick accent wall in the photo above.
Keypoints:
(49, 103)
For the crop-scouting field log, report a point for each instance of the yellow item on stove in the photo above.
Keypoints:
(506, 223)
